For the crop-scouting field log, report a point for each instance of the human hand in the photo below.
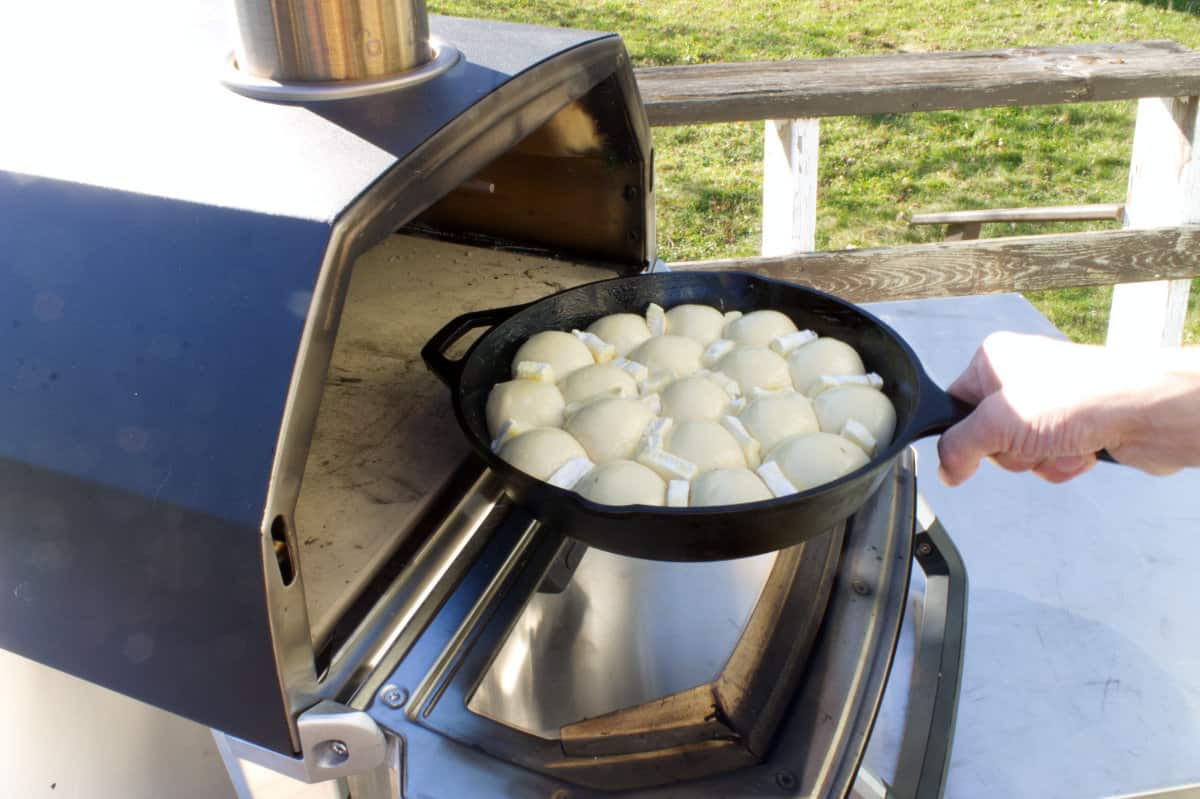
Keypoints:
(1048, 406)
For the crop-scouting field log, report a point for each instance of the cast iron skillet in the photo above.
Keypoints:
(690, 534)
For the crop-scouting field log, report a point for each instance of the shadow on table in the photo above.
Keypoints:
(1071, 708)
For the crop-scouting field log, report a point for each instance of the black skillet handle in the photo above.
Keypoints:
(434, 351)
(938, 411)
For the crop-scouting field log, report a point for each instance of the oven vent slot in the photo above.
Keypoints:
(283, 550)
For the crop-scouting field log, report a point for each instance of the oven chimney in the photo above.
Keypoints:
(306, 41)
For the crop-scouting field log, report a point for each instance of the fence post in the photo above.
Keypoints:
(1164, 190)
(789, 204)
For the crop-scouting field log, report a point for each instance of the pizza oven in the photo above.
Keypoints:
(230, 488)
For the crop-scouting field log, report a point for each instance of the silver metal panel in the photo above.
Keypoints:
(623, 632)
(1082, 663)
(164, 125)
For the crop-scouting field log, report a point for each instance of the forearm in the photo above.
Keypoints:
(1156, 421)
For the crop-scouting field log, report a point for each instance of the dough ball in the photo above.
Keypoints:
(813, 459)
(701, 323)
(868, 406)
(755, 367)
(772, 419)
(825, 356)
(759, 328)
(623, 483)
(599, 378)
(706, 444)
(609, 429)
(541, 451)
(562, 351)
(528, 401)
(694, 397)
(728, 487)
(622, 330)
(678, 355)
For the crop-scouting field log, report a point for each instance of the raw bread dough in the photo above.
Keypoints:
(759, 328)
(755, 367)
(562, 351)
(622, 330)
(813, 459)
(772, 419)
(623, 483)
(678, 355)
(609, 429)
(728, 487)
(541, 451)
(868, 406)
(706, 444)
(599, 378)
(536, 404)
(695, 397)
(702, 323)
(825, 356)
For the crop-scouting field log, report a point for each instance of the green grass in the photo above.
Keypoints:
(876, 171)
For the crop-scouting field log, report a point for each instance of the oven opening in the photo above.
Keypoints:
(387, 460)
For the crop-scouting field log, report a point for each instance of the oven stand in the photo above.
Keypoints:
(938, 632)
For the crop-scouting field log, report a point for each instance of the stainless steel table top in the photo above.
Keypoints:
(1082, 662)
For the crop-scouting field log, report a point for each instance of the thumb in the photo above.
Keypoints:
(963, 446)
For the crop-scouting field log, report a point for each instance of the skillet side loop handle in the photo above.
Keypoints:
(434, 351)
(938, 411)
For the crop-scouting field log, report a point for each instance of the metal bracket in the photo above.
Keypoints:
(337, 741)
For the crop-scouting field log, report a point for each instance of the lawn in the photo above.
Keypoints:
(875, 171)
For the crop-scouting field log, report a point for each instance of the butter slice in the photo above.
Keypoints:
(655, 436)
(656, 381)
(536, 371)
(571, 472)
(671, 466)
(750, 446)
(656, 319)
(792, 341)
(510, 429)
(635, 369)
(826, 382)
(601, 350)
(857, 433)
(775, 479)
(716, 351)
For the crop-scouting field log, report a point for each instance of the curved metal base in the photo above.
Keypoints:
(445, 56)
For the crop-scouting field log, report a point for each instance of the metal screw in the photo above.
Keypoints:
(339, 748)
(786, 780)
(393, 696)
(860, 588)
(924, 550)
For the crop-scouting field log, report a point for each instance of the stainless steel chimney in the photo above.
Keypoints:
(314, 49)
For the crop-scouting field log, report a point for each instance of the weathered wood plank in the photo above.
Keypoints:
(987, 266)
(1049, 213)
(917, 82)
(789, 204)
(1164, 189)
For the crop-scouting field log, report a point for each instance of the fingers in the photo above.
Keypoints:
(972, 385)
(1060, 470)
(982, 434)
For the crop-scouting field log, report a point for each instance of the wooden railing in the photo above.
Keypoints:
(1151, 261)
